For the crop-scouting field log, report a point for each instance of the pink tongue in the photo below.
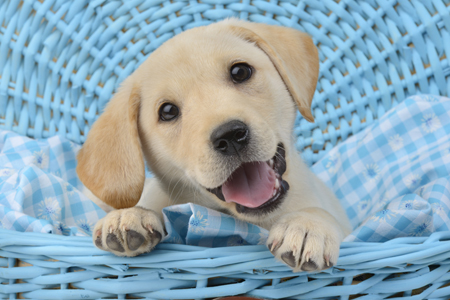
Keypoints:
(251, 185)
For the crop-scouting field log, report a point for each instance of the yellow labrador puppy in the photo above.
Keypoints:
(212, 112)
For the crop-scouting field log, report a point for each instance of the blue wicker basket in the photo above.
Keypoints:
(61, 60)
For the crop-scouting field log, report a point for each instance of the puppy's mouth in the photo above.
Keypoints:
(256, 187)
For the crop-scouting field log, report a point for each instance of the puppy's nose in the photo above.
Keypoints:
(230, 138)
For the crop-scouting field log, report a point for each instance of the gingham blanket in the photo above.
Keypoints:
(39, 188)
(392, 178)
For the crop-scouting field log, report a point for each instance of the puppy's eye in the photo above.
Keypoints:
(240, 72)
(168, 112)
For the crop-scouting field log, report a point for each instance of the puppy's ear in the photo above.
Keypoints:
(111, 162)
(293, 54)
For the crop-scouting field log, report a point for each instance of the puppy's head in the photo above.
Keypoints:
(211, 110)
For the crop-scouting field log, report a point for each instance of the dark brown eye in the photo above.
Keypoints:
(168, 112)
(240, 72)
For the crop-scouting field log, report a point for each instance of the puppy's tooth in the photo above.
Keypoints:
(274, 193)
(277, 183)
(271, 162)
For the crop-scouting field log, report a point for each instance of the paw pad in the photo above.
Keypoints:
(155, 236)
(309, 266)
(134, 239)
(113, 243)
(289, 259)
(98, 242)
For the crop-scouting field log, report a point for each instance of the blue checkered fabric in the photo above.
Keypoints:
(193, 224)
(393, 178)
(39, 188)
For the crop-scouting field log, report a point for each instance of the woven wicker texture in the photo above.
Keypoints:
(60, 61)
(54, 267)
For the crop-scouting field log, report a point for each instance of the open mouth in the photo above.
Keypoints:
(256, 187)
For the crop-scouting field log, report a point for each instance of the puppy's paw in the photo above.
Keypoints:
(306, 241)
(128, 232)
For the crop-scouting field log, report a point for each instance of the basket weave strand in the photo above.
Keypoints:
(72, 268)
(60, 61)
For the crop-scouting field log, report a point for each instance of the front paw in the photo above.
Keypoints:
(128, 232)
(306, 241)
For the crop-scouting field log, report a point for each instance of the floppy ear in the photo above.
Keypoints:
(111, 163)
(293, 54)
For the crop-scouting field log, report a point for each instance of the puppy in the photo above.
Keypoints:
(212, 111)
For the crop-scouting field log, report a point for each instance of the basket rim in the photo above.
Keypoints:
(398, 253)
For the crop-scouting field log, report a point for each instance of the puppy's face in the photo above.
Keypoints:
(206, 123)
(213, 110)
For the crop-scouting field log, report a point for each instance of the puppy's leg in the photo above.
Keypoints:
(306, 240)
(136, 230)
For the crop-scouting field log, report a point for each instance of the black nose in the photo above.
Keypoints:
(230, 138)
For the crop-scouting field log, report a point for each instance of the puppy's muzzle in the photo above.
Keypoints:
(230, 138)
(256, 187)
